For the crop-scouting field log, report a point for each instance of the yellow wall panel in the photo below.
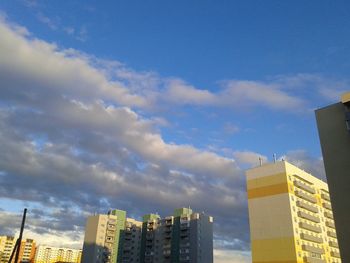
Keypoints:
(267, 180)
(268, 190)
(274, 250)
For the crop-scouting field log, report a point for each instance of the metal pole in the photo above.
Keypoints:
(20, 235)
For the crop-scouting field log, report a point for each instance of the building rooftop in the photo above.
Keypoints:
(345, 98)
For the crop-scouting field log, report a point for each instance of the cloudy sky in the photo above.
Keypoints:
(151, 105)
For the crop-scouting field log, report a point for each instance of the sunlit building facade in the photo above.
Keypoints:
(26, 249)
(103, 237)
(49, 254)
(290, 216)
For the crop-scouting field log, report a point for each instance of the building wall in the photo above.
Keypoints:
(119, 236)
(99, 241)
(26, 249)
(183, 237)
(7, 245)
(335, 143)
(132, 241)
(290, 216)
(49, 254)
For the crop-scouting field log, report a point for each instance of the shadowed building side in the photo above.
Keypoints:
(334, 131)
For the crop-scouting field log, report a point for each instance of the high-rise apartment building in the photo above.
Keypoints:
(333, 124)
(49, 254)
(290, 216)
(131, 245)
(183, 237)
(26, 249)
(103, 235)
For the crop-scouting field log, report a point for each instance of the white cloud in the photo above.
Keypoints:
(231, 256)
(179, 92)
(248, 157)
(69, 136)
(307, 162)
(230, 128)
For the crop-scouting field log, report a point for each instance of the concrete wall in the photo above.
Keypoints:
(335, 144)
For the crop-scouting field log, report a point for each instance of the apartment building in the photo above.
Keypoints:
(26, 249)
(103, 237)
(182, 237)
(333, 123)
(290, 216)
(131, 247)
(49, 254)
(7, 243)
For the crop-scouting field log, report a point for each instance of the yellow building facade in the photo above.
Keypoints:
(290, 216)
(49, 254)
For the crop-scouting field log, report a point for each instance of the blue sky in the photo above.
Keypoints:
(178, 96)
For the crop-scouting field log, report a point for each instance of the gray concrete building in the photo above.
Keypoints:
(183, 237)
(101, 239)
(333, 124)
(131, 246)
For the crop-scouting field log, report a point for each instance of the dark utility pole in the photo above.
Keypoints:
(19, 240)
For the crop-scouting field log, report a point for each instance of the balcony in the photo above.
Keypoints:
(305, 196)
(333, 244)
(327, 205)
(325, 196)
(307, 226)
(307, 206)
(149, 236)
(311, 238)
(184, 258)
(331, 234)
(167, 235)
(186, 244)
(167, 252)
(305, 187)
(314, 260)
(184, 225)
(127, 248)
(312, 249)
(308, 217)
(330, 224)
(335, 254)
(328, 215)
(109, 240)
(184, 220)
(169, 220)
(167, 246)
(110, 227)
(168, 229)
(110, 233)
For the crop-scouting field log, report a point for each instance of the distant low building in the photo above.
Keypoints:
(26, 249)
(7, 243)
(49, 254)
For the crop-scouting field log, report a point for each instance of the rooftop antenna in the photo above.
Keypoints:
(274, 158)
(19, 240)
(260, 161)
